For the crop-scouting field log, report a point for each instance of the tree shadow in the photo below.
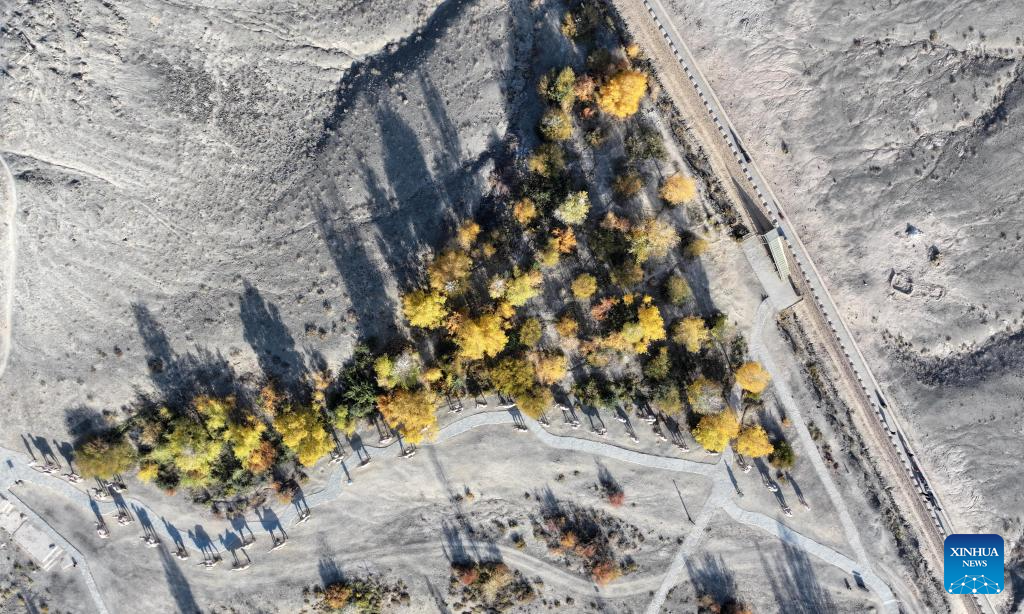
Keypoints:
(387, 66)
(329, 571)
(180, 378)
(794, 582)
(711, 577)
(269, 338)
(607, 482)
(180, 589)
(82, 421)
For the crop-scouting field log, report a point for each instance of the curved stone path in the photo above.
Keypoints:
(14, 466)
(785, 396)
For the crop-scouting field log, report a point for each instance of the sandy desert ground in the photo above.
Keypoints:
(243, 189)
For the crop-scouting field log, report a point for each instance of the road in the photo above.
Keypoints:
(651, 23)
(15, 466)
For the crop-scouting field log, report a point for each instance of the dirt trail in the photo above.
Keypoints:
(8, 259)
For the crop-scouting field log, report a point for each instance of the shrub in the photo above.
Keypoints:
(695, 247)
(658, 368)
(752, 377)
(705, 396)
(714, 432)
(645, 144)
(678, 189)
(574, 208)
(628, 184)
(677, 290)
(753, 442)
(555, 125)
(558, 86)
(667, 400)
(782, 456)
(584, 87)
(620, 96)
(548, 160)
(605, 572)
(584, 286)
(425, 309)
(627, 274)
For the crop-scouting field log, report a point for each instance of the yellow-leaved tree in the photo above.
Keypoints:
(584, 286)
(692, 334)
(425, 309)
(550, 367)
(753, 442)
(411, 413)
(302, 431)
(752, 377)
(522, 287)
(678, 189)
(449, 271)
(621, 95)
(481, 336)
(715, 431)
(637, 336)
(467, 234)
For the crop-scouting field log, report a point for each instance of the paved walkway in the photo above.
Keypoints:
(14, 466)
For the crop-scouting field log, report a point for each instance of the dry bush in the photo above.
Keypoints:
(605, 572)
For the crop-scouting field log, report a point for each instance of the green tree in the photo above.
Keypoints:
(677, 290)
(558, 86)
(705, 396)
(104, 455)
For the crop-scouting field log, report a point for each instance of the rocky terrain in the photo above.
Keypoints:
(189, 196)
(891, 134)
